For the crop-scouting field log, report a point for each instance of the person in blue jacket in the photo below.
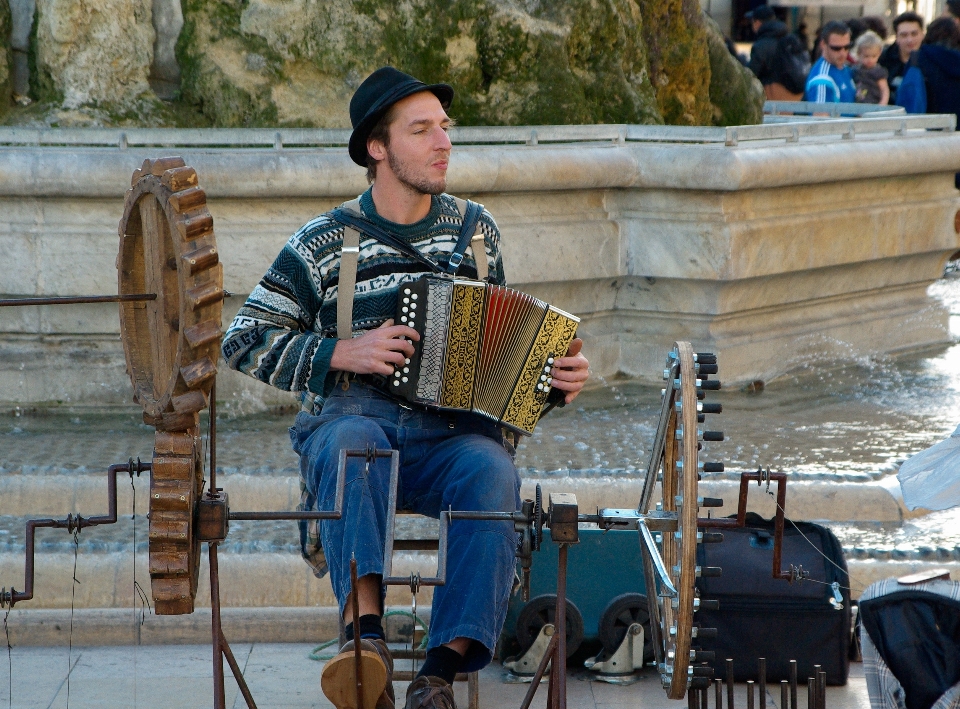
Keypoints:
(937, 65)
(831, 79)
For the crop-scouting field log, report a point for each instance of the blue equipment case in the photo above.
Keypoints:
(601, 567)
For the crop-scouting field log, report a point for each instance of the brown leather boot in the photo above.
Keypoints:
(429, 693)
(339, 682)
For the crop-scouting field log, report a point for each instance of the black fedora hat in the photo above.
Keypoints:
(376, 95)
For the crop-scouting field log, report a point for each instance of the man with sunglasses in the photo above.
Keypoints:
(831, 78)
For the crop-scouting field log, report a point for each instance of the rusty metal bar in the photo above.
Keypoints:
(741, 519)
(237, 673)
(762, 681)
(784, 694)
(219, 701)
(538, 675)
(70, 523)
(793, 684)
(560, 660)
(74, 299)
(718, 694)
(729, 683)
(212, 437)
(355, 608)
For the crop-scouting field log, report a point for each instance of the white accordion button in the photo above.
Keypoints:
(406, 361)
(543, 377)
(549, 381)
(397, 374)
(406, 370)
(403, 318)
(404, 379)
(406, 291)
(414, 296)
(539, 387)
(406, 300)
(549, 360)
(396, 383)
(405, 309)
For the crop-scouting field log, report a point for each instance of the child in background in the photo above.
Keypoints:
(870, 77)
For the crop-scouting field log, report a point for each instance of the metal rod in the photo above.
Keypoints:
(729, 683)
(750, 685)
(692, 699)
(473, 690)
(219, 701)
(561, 622)
(70, 523)
(237, 673)
(703, 698)
(212, 436)
(822, 689)
(538, 675)
(793, 684)
(74, 299)
(646, 539)
(816, 680)
(762, 681)
(811, 693)
(355, 607)
(718, 694)
(784, 694)
(292, 514)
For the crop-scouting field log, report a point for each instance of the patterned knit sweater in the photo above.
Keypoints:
(285, 333)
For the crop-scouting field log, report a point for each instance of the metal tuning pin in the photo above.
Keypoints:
(703, 655)
(710, 408)
(707, 368)
(705, 358)
(709, 605)
(713, 467)
(713, 435)
(703, 671)
(708, 384)
(707, 572)
(711, 501)
(711, 537)
(704, 633)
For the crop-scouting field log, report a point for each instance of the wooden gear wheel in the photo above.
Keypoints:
(172, 345)
(671, 617)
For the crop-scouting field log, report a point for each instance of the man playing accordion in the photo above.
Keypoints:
(288, 335)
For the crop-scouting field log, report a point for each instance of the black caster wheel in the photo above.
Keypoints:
(540, 611)
(622, 612)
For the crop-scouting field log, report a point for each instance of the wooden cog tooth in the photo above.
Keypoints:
(195, 225)
(178, 179)
(188, 199)
(204, 295)
(201, 259)
(161, 165)
(173, 467)
(196, 373)
(172, 421)
(172, 444)
(203, 333)
(190, 402)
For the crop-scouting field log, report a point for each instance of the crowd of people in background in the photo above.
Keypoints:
(852, 62)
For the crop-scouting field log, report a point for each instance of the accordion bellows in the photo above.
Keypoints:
(483, 348)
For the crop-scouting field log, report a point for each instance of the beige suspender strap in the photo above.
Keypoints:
(349, 254)
(476, 243)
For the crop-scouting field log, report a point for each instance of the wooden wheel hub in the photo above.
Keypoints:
(171, 344)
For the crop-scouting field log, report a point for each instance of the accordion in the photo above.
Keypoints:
(483, 348)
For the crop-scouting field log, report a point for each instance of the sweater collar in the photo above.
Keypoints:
(406, 231)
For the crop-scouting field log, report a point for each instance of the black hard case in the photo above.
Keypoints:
(760, 616)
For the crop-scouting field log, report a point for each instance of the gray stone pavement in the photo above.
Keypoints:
(281, 676)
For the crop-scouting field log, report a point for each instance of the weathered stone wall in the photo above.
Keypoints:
(93, 53)
(735, 93)
(6, 59)
(561, 62)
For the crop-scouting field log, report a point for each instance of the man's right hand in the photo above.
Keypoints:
(375, 351)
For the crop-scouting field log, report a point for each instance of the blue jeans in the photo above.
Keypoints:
(456, 461)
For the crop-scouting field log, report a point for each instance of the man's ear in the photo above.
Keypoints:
(376, 149)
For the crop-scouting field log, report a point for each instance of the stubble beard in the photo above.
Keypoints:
(419, 184)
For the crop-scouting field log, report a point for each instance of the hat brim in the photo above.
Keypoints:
(358, 139)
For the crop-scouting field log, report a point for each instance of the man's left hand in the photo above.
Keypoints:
(570, 373)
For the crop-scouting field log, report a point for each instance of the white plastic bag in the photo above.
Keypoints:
(931, 478)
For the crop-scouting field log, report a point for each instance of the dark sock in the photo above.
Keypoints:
(371, 626)
(441, 662)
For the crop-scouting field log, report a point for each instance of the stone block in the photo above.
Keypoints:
(6, 58)
(94, 53)
(298, 63)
